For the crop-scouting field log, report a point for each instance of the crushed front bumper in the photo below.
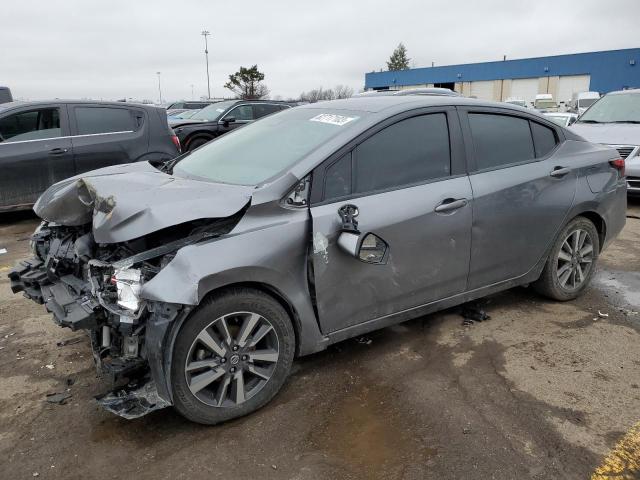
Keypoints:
(68, 298)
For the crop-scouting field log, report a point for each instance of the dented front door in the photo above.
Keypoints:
(428, 257)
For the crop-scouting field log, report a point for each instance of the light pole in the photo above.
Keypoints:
(206, 33)
(159, 87)
(192, 92)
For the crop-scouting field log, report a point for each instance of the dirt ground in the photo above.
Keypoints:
(542, 390)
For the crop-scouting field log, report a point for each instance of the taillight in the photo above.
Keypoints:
(618, 164)
(176, 142)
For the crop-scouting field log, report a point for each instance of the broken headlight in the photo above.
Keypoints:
(128, 283)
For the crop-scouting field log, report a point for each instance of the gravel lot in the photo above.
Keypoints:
(541, 390)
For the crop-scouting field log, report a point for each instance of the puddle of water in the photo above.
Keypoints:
(625, 285)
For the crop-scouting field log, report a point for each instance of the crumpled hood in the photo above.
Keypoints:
(128, 201)
(609, 133)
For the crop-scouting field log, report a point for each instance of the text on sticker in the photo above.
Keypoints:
(332, 119)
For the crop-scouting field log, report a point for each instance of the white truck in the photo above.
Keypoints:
(580, 101)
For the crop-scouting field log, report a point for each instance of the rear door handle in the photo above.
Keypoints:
(451, 204)
(58, 151)
(559, 172)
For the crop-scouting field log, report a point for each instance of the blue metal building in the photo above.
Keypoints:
(560, 75)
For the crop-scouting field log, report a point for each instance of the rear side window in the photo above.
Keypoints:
(544, 139)
(408, 152)
(500, 140)
(32, 125)
(261, 109)
(91, 120)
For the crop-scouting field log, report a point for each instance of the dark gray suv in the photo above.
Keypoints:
(44, 142)
(200, 281)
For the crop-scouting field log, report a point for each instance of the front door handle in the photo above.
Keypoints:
(58, 151)
(559, 172)
(451, 204)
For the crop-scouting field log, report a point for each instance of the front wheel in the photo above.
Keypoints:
(197, 142)
(232, 356)
(572, 261)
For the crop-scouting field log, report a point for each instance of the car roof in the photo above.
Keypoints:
(374, 104)
(624, 92)
(35, 103)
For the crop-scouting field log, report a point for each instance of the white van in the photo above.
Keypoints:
(580, 101)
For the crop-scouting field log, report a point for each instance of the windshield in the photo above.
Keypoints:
(258, 151)
(622, 108)
(586, 102)
(214, 111)
(186, 114)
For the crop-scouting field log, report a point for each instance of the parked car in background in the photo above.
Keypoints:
(177, 111)
(581, 101)
(410, 91)
(516, 101)
(220, 118)
(544, 102)
(615, 121)
(44, 142)
(5, 95)
(188, 105)
(201, 280)
(564, 119)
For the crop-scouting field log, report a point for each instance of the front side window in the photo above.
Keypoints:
(500, 140)
(241, 113)
(337, 178)
(411, 151)
(261, 150)
(92, 120)
(31, 125)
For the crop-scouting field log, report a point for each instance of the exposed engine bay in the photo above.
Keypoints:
(96, 287)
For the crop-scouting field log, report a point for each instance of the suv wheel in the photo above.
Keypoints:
(572, 261)
(231, 356)
(197, 142)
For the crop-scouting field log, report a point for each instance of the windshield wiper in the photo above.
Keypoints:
(589, 121)
(626, 121)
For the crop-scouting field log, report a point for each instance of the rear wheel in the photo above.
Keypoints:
(232, 356)
(572, 261)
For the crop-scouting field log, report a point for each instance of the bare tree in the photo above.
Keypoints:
(319, 94)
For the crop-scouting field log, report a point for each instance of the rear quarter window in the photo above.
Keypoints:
(544, 139)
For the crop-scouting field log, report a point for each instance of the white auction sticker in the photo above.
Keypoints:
(219, 109)
(332, 119)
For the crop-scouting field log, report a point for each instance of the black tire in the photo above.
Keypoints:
(197, 142)
(212, 309)
(550, 282)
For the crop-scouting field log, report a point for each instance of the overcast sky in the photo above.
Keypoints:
(112, 49)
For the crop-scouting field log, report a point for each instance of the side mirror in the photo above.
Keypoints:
(228, 120)
(572, 120)
(368, 248)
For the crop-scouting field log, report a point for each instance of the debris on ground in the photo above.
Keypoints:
(602, 315)
(70, 341)
(473, 312)
(58, 398)
(70, 381)
(50, 366)
(9, 334)
(466, 430)
(364, 340)
(3, 251)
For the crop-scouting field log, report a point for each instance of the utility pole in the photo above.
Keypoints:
(159, 87)
(206, 33)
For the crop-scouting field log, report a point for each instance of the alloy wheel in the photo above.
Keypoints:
(575, 260)
(232, 359)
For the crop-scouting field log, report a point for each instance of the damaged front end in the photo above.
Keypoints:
(93, 286)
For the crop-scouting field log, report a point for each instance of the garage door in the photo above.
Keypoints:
(482, 90)
(570, 84)
(525, 88)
